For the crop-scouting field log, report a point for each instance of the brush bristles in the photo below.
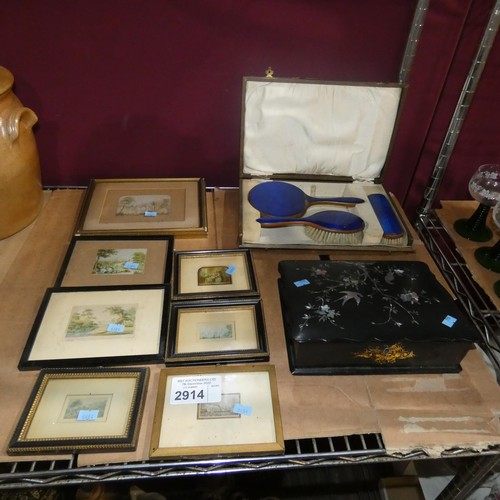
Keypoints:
(395, 242)
(347, 238)
(333, 237)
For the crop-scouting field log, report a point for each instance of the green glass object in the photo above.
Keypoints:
(475, 228)
(489, 257)
(484, 187)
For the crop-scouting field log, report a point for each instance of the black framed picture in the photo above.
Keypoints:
(221, 331)
(96, 326)
(117, 261)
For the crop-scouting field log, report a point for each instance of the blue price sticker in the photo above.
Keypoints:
(449, 321)
(87, 415)
(300, 283)
(150, 214)
(230, 270)
(115, 328)
(131, 265)
(242, 409)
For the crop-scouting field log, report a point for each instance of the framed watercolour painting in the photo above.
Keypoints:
(216, 332)
(216, 411)
(213, 273)
(117, 261)
(144, 206)
(92, 327)
(82, 410)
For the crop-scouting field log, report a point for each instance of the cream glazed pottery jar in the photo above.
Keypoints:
(20, 178)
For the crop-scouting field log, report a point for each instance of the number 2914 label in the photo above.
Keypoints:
(195, 389)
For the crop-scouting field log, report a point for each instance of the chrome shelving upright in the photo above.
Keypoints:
(475, 301)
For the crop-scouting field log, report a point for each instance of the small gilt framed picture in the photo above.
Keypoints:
(217, 411)
(82, 410)
(214, 273)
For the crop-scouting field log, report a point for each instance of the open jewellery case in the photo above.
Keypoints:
(312, 160)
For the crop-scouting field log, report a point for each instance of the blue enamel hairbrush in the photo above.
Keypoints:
(327, 227)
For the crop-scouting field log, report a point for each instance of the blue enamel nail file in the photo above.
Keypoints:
(386, 216)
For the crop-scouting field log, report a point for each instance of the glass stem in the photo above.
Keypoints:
(494, 252)
(478, 219)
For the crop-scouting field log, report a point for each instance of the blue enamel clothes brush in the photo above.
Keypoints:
(327, 227)
(394, 233)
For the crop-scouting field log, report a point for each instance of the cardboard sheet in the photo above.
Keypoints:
(436, 432)
(435, 413)
(31, 267)
(324, 406)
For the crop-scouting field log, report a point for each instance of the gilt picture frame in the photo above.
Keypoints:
(82, 327)
(222, 331)
(117, 261)
(217, 411)
(82, 410)
(213, 274)
(144, 206)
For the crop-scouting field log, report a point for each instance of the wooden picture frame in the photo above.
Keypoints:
(223, 331)
(214, 274)
(217, 411)
(117, 261)
(82, 410)
(81, 327)
(144, 206)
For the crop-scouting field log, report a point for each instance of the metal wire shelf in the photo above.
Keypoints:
(470, 295)
(298, 453)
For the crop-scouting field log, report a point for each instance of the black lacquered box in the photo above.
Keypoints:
(369, 317)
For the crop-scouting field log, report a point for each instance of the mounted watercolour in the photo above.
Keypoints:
(216, 411)
(117, 261)
(209, 274)
(92, 327)
(144, 206)
(220, 331)
(82, 410)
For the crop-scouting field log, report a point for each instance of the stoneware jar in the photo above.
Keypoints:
(20, 178)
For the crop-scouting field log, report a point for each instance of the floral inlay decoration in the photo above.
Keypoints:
(393, 292)
(386, 354)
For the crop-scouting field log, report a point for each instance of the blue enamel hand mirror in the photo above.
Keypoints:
(281, 199)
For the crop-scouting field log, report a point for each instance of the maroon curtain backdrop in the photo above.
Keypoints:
(137, 89)
(452, 35)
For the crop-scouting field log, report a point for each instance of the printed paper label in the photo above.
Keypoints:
(196, 389)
